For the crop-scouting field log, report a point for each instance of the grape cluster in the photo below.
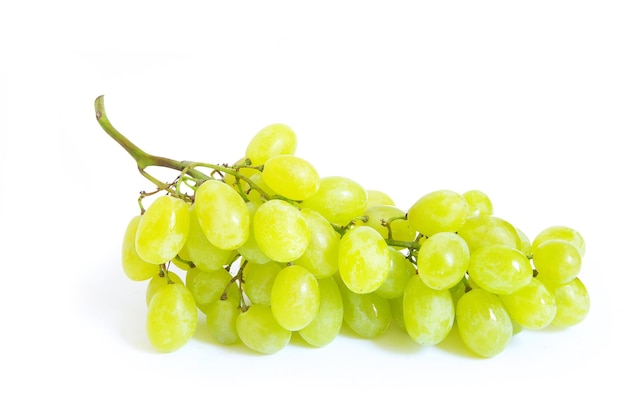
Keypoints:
(269, 248)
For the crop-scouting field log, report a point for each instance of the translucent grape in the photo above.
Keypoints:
(258, 330)
(438, 211)
(250, 250)
(397, 311)
(400, 228)
(291, 176)
(364, 259)
(532, 306)
(295, 298)
(271, 141)
(561, 233)
(281, 231)
(162, 230)
(572, 303)
(207, 286)
(320, 257)
(428, 313)
(375, 197)
(400, 270)
(157, 282)
(326, 325)
(478, 203)
(367, 315)
(221, 317)
(442, 260)
(135, 267)
(338, 199)
(222, 214)
(499, 269)
(200, 250)
(483, 323)
(259, 280)
(558, 261)
(172, 317)
(487, 230)
(525, 245)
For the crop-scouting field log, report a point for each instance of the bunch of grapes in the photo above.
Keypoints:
(269, 248)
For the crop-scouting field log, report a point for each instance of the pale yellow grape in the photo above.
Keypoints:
(568, 234)
(172, 317)
(457, 291)
(221, 317)
(281, 231)
(338, 199)
(400, 228)
(326, 325)
(438, 211)
(207, 286)
(162, 230)
(320, 257)
(157, 282)
(367, 315)
(478, 202)
(135, 267)
(291, 176)
(499, 269)
(487, 230)
(397, 311)
(295, 298)
(572, 302)
(428, 313)
(272, 140)
(222, 214)
(557, 261)
(259, 280)
(532, 306)
(442, 260)
(525, 245)
(400, 270)
(200, 250)
(375, 197)
(258, 330)
(364, 259)
(250, 250)
(483, 323)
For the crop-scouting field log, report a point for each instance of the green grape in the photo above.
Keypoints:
(525, 245)
(400, 270)
(338, 199)
(320, 257)
(172, 317)
(364, 259)
(291, 176)
(483, 323)
(499, 269)
(478, 202)
(375, 197)
(295, 298)
(458, 291)
(400, 228)
(326, 325)
(221, 317)
(487, 230)
(397, 311)
(572, 303)
(562, 233)
(207, 286)
(443, 260)
(271, 141)
(135, 267)
(258, 330)
(438, 211)
(254, 194)
(158, 281)
(259, 280)
(250, 250)
(532, 306)
(281, 231)
(162, 230)
(367, 315)
(222, 214)
(200, 250)
(428, 313)
(558, 261)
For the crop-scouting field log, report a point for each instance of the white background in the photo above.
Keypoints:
(523, 100)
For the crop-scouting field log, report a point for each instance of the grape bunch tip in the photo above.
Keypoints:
(265, 248)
